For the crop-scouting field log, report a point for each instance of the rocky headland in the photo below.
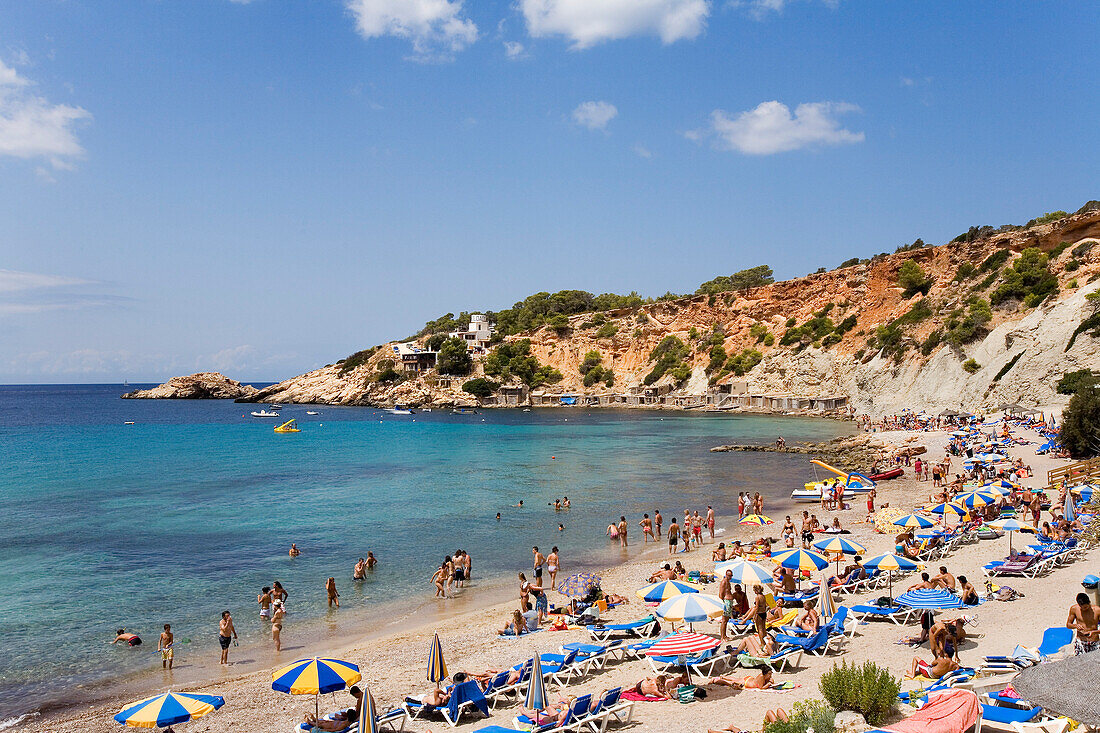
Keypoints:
(200, 386)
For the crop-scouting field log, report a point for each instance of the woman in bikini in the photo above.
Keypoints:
(333, 596)
(762, 680)
(552, 566)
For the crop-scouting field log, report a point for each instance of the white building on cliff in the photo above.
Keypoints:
(477, 334)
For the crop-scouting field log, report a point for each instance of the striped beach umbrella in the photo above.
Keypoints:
(757, 519)
(579, 584)
(368, 715)
(745, 572)
(315, 677)
(840, 545)
(995, 490)
(1000, 484)
(825, 597)
(930, 599)
(913, 520)
(889, 563)
(1010, 526)
(664, 589)
(536, 689)
(1085, 491)
(437, 665)
(976, 499)
(801, 560)
(170, 708)
(950, 508)
(683, 642)
(691, 608)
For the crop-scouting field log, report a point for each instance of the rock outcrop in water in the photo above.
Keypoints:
(201, 386)
(884, 346)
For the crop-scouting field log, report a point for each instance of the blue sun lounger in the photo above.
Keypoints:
(641, 628)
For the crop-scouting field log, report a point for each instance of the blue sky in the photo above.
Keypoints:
(264, 187)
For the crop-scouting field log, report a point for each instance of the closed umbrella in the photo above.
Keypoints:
(746, 572)
(368, 717)
(913, 520)
(536, 690)
(437, 666)
(167, 709)
(664, 589)
(1070, 510)
(825, 594)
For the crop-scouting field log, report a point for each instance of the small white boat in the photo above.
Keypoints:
(276, 407)
(311, 412)
(399, 411)
(265, 413)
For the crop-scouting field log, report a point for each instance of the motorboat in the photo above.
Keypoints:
(290, 426)
(887, 475)
(264, 413)
(311, 412)
(464, 411)
(399, 410)
(276, 407)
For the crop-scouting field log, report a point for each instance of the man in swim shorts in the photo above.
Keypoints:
(164, 646)
(1083, 618)
(226, 634)
(130, 639)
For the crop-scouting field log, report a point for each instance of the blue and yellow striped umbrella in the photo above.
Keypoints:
(437, 666)
(663, 590)
(536, 689)
(949, 508)
(315, 676)
(579, 584)
(801, 560)
(168, 709)
(913, 520)
(840, 545)
(757, 519)
(825, 597)
(368, 715)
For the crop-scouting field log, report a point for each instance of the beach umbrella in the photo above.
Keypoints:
(930, 599)
(1066, 687)
(683, 642)
(800, 560)
(368, 717)
(976, 499)
(888, 563)
(757, 519)
(999, 484)
(913, 520)
(579, 584)
(995, 490)
(1069, 510)
(536, 689)
(825, 596)
(315, 677)
(1086, 492)
(691, 608)
(746, 572)
(664, 589)
(1010, 526)
(437, 665)
(169, 708)
(837, 547)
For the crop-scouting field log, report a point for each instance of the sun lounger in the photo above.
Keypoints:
(1027, 566)
(1055, 639)
(704, 663)
(816, 643)
(608, 707)
(596, 656)
(1006, 714)
(465, 697)
(863, 613)
(948, 681)
(1055, 725)
(561, 668)
(641, 628)
(577, 712)
(790, 656)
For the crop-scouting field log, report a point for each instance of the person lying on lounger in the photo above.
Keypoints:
(554, 712)
(482, 678)
(762, 680)
(751, 645)
(661, 686)
(339, 722)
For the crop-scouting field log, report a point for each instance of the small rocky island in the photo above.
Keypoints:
(201, 386)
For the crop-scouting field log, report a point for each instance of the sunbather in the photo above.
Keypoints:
(935, 669)
(516, 627)
(483, 678)
(752, 646)
(809, 619)
(665, 573)
(969, 593)
(762, 680)
(339, 722)
(923, 583)
(776, 716)
(555, 712)
(945, 580)
(661, 686)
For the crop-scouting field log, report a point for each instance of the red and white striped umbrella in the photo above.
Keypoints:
(682, 643)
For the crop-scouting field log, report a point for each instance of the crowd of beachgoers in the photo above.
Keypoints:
(739, 624)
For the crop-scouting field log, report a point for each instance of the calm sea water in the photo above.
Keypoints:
(190, 510)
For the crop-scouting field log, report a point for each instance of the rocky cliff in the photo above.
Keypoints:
(862, 331)
(201, 386)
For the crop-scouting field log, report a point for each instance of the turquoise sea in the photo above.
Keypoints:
(191, 509)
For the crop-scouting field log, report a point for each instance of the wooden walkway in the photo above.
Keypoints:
(1082, 472)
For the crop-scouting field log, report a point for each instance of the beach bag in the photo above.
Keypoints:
(656, 629)
(689, 693)
(884, 602)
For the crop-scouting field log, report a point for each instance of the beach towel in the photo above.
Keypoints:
(639, 697)
(951, 711)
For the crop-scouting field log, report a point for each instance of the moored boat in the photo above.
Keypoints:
(264, 413)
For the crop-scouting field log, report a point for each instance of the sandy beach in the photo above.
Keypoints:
(393, 664)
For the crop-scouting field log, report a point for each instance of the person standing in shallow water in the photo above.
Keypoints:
(333, 596)
(226, 634)
(164, 646)
(622, 531)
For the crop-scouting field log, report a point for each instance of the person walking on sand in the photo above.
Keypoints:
(164, 646)
(333, 596)
(673, 536)
(553, 564)
(622, 531)
(226, 634)
(277, 626)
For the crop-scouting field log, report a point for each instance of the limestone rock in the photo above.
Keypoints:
(201, 386)
(849, 721)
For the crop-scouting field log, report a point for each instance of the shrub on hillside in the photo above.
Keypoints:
(912, 279)
(480, 387)
(1081, 424)
(970, 366)
(1074, 382)
(867, 689)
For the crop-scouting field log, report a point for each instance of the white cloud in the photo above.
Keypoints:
(595, 115)
(13, 281)
(760, 9)
(588, 22)
(436, 28)
(32, 127)
(23, 293)
(514, 50)
(771, 128)
(642, 151)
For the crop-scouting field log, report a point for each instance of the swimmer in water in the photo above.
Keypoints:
(498, 516)
(130, 639)
(294, 551)
(520, 505)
